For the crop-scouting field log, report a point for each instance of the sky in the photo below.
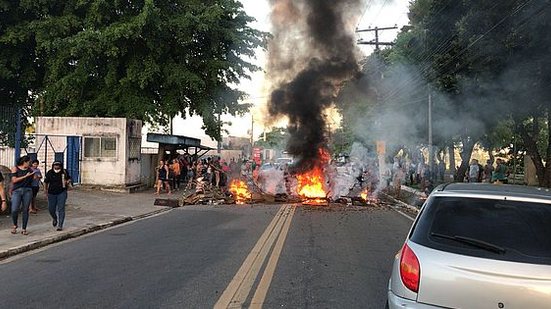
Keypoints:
(377, 13)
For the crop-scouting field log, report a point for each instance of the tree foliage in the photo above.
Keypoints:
(149, 60)
(488, 67)
(274, 139)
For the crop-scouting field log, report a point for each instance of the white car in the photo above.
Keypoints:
(476, 246)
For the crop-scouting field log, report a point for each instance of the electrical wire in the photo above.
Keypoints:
(419, 81)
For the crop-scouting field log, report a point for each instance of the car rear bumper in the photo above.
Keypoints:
(396, 302)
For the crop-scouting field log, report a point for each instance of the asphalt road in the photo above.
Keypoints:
(186, 258)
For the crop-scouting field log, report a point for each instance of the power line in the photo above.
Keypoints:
(452, 71)
(379, 13)
(366, 8)
(376, 41)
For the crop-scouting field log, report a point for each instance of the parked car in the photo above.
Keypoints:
(476, 246)
(283, 161)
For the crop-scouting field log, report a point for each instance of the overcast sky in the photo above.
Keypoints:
(380, 13)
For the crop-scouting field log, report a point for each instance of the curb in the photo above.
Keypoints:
(74, 234)
(397, 201)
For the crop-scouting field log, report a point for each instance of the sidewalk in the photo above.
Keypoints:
(86, 211)
(416, 192)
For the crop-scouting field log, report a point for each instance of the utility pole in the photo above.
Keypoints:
(171, 125)
(376, 41)
(252, 135)
(431, 153)
(18, 134)
(219, 144)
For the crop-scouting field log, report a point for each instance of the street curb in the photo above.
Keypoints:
(406, 205)
(74, 234)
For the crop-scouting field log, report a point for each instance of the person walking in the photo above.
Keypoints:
(56, 183)
(22, 194)
(35, 184)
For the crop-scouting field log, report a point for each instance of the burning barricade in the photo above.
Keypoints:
(240, 191)
(321, 184)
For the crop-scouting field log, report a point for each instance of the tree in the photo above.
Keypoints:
(498, 138)
(276, 138)
(149, 60)
(21, 71)
(487, 62)
(514, 70)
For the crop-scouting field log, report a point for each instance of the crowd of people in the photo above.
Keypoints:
(191, 172)
(25, 180)
(200, 174)
(418, 173)
(488, 173)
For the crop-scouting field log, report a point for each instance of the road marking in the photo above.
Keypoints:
(400, 212)
(237, 292)
(247, 284)
(266, 280)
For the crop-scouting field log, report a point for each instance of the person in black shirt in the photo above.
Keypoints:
(56, 182)
(22, 193)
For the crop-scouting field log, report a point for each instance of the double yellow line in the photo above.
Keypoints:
(272, 240)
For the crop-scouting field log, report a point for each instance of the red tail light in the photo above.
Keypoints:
(410, 271)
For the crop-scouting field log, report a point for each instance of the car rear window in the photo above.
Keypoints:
(522, 229)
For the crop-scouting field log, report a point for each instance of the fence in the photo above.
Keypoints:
(7, 156)
(8, 124)
(65, 149)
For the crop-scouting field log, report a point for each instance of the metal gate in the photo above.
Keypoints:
(61, 148)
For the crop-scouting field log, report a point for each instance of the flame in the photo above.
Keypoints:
(311, 183)
(240, 191)
(364, 194)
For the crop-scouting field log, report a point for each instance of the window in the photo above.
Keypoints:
(135, 148)
(100, 147)
(522, 229)
(108, 147)
(92, 147)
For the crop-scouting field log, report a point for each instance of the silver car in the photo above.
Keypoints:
(476, 246)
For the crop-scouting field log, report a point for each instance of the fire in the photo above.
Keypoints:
(364, 194)
(240, 191)
(311, 183)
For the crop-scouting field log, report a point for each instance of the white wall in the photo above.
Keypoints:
(7, 156)
(115, 171)
(225, 154)
(133, 131)
(148, 164)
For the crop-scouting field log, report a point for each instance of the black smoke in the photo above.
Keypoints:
(319, 57)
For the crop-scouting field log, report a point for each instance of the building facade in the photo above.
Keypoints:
(102, 152)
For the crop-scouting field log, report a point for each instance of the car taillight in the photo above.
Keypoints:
(410, 271)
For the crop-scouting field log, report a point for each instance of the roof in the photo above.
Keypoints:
(177, 141)
(495, 190)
